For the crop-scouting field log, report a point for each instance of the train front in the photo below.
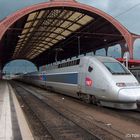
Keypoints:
(125, 84)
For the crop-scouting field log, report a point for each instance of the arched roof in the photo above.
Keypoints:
(45, 25)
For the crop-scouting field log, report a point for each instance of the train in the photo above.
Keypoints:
(99, 80)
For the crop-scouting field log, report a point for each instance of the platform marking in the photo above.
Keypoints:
(5, 118)
(24, 128)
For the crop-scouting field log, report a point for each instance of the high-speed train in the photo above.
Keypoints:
(100, 80)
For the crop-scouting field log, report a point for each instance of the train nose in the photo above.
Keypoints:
(129, 95)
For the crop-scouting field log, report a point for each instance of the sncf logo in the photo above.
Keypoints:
(88, 81)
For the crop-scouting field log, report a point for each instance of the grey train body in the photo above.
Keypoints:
(101, 80)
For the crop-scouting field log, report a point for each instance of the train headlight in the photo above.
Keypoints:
(121, 84)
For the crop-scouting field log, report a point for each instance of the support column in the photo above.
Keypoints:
(130, 45)
(106, 51)
(124, 48)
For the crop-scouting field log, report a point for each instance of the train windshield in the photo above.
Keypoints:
(116, 68)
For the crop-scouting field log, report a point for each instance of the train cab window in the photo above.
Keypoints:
(116, 68)
(90, 69)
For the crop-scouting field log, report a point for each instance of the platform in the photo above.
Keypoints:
(13, 124)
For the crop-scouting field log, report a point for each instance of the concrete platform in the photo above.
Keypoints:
(13, 125)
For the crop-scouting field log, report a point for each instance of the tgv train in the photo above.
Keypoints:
(100, 80)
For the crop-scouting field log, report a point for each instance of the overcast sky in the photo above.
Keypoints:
(125, 11)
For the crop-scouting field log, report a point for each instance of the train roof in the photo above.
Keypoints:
(76, 61)
(104, 58)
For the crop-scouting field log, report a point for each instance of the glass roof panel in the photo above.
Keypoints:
(52, 35)
(66, 33)
(86, 19)
(58, 30)
(46, 46)
(75, 16)
(74, 27)
(44, 42)
(35, 23)
(59, 37)
(31, 29)
(25, 31)
(66, 24)
(28, 24)
(41, 45)
(48, 39)
(41, 14)
(32, 16)
(42, 38)
(28, 34)
(20, 40)
(50, 44)
(22, 36)
(54, 41)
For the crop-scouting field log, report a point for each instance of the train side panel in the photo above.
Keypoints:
(63, 80)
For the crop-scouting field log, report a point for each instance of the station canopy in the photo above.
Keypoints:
(38, 35)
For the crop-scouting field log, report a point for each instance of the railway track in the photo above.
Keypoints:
(53, 123)
(130, 115)
(95, 129)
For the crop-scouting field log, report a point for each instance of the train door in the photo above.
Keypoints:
(95, 81)
(43, 79)
(89, 78)
(81, 76)
(85, 76)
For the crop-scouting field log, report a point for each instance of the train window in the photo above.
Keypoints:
(90, 69)
(70, 63)
(63, 64)
(78, 61)
(74, 62)
(116, 68)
